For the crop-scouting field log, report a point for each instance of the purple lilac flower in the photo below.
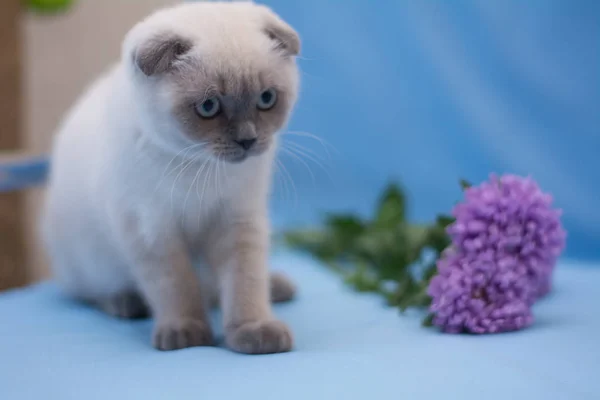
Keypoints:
(470, 294)
(505, 243)
(513, 217)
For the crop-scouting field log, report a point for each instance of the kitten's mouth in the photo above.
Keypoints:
(239, 156)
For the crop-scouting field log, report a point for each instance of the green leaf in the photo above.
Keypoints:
(300, 237)
(445, 221)
(390, 251)
(346, 223)
(429, 272)
(421, 298)
(345, 229)
(363, 280)
(438, 239)
(387, 249)
(391, 298)
(304, 239)
(464, 184)
(317, 243)
(48, 6)
(392, 207)
(416, 234)
(370, 246)
(405, 292)
(428, 320)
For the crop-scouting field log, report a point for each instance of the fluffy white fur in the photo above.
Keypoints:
(133, 202)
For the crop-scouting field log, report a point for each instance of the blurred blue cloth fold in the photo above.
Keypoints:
(429, 92)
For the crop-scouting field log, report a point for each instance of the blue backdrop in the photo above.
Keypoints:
(428, 92)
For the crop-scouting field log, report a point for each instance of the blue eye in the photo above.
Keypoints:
(267, 99)
(209, 108)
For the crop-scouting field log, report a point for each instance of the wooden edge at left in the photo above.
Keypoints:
(13, 269)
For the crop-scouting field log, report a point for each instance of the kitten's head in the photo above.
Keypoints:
(219, 73)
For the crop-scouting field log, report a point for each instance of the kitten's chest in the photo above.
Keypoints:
(197, 197)
(199, 201)
(196, 202)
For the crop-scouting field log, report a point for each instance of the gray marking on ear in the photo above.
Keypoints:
(157, 54)
(286, 39)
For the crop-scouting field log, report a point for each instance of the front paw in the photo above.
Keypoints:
(174, 335)
(260, 337)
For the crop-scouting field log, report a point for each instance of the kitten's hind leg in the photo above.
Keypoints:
(282, 288)
(126, 305)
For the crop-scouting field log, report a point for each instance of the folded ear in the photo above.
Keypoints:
(285, 38)
(157, 54)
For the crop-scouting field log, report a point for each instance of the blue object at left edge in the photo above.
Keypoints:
(21, 173)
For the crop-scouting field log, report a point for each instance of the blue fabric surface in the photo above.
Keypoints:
(348, 346)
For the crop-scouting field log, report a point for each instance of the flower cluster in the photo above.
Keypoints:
(506, 239)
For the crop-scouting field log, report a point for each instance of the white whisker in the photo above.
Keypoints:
(298, 158)
(299, 57)
(306, 150)
(165, 173)
(326, 145)
(299, 152)
(291, 180)
(218, 186)
(282, 181)
(191, 162)
(190, 189)
(201, 196)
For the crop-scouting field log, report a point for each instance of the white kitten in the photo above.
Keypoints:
(166, 161)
